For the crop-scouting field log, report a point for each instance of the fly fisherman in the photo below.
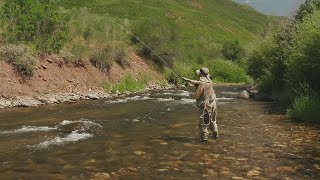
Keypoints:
(206, 102)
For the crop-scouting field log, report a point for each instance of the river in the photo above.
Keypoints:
(155, 136)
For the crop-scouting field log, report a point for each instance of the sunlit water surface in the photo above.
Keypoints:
(155, 136)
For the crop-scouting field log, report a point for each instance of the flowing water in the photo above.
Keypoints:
(155, 136)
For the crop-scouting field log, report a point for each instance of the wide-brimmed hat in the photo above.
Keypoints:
(203, 71)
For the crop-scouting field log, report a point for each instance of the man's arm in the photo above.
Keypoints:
(198, 93)
(195, 82)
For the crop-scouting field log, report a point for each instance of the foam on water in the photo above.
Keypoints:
(184, 93)
(135, 98)
(165, 99)
(73, 137)
(26, 129)
(86, 122)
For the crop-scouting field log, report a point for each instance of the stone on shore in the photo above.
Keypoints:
(26, 102)
(93, 96)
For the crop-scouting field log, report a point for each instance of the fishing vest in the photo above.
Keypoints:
(208, 95)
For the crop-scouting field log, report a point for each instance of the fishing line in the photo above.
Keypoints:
(144, 44)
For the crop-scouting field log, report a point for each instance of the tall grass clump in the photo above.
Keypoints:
(305, 108)
(97, 39)
(128, 83)
(21, 57)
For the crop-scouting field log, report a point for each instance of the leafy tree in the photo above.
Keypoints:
(36, 21)
(309, 7)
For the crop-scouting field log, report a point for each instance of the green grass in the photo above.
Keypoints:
(128, 83)
(209, 20)
(187, 34)
(305, 108)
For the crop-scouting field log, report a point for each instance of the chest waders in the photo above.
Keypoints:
(208, 113)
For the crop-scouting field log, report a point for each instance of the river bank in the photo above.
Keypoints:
(72, 97)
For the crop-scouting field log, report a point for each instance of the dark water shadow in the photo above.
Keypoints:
(181, 139)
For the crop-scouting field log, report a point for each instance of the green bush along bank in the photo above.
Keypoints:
(287, 63)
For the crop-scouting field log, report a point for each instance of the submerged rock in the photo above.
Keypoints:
(253, 172)
(102, 176)
(139, 153)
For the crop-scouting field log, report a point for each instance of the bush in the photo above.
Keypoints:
(305, 108)
(303, 62)
(179, 70)
(21, 57)
(227, 71)
(266, 61)
(307, 8)
(104, 58)
(156, 40)
(233, 51)
(35, 21)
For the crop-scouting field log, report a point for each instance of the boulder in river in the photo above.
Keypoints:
(244, 95)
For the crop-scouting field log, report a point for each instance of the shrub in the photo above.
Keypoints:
(21, 57)
(227, 71)
(113, 52)
(102, 59)
(307, 8)
(303, 62)
(156, 40)
(266, 61)
(180, 69)
(305, 107)
(36, 21)
(233, 51)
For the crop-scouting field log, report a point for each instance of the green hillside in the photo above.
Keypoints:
(181, 34)
(212, 20)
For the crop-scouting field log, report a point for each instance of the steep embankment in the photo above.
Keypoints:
(53, 76)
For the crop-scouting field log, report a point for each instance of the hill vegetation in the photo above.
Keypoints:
(172, 34)
(181, 33)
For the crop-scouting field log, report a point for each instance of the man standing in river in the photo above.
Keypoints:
(206, 102)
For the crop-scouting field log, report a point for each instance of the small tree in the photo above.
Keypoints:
(233, 51)
(35, 21)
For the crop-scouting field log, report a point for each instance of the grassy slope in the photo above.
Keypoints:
(210, 20)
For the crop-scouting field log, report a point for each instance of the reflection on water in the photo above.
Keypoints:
(155, 136)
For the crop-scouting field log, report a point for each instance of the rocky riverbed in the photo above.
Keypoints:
(154, 135)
